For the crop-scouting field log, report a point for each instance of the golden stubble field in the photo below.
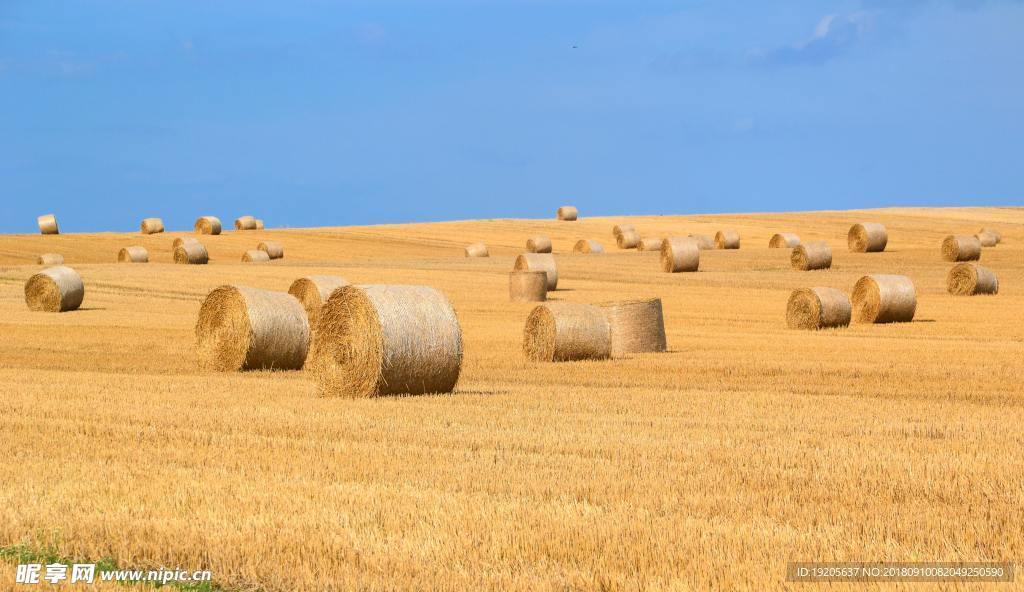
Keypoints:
(747, 445)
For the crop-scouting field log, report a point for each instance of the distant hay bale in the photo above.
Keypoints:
(272, 249)
(151, 225)
(539, 262)
(259, 224)
(48, 224)
(727, 239)
(587, 246)
(679, 254)
(884, 299)
(245, 223)
(811, 255)
(313, 291)
(987, 238)
(54, 289)
(628, 239)
(387, 340)
(477, 250)
(538, 244)
(783, 240)
(651, 243)
(995, 233)
(818, 308)
(867, 237)
(242, 328)
(50, 259)
(618, 229)
(182, 240)
(208, 225)
(635, 326)
(191, 253)
(527, 286)
(134, 254)
(255, 256)
(968, 279)
(567, 213)
(704, 243)
(961, 248)
(564, 331)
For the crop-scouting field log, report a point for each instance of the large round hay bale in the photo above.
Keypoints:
(992, 231)
(567, 213)
(182, 240)
(566, 331)
(961, 248)
(636, 326)
(628, 239)
(587, 246)
(477, 250)
(50, 259)
(884, 299)
(54, 289)
(811, 255)
(387, 340)
(208, 225)
(818, 308)
(134, 254)
(245, 223)
(259, 224)
(255, 256)
(650, 243)
(242, 328)
(191, 253)
(679, 254)
(538, 244)
(527, 286)
(273, 249)
(867, 237)
(313, 291)
(783, 240)
(539, 262)
(987, 238)
(727, 239)
(48, 224)
(618, 229)
(968, 279)
(151, 225)
(704, 242)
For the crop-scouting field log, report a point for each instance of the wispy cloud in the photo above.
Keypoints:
(834, 35)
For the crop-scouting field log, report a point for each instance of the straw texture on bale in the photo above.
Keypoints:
(477, 250)
(635, 326)
(811, 255)
(651, 243)
(48, 224)
(704, 243)
(273, 249)
(54, 289)
(527, 286)
(620, 228)
(538, 244)
(134, 254)
(961, 248)
(783, 240)
(987, 238)
(992, 231)
(968, 279)
(627, 239)
(679, 254)
(259, 223)
(255, 256)
(884, 299)
(587, 246)
(867, 237)
(387, 340)
(50, 259)
(182, 240)
(191, 253)
(727, 239)
(313, 291)
(208, 225)
(242, 328)
(539, 262)
(818, 308)
(245, 223)
(565, 331)
(151, 225)
(568, 213)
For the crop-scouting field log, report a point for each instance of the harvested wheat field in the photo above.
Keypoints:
(711, 465)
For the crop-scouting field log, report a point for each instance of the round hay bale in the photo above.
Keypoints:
(134, 254)
(151, 225)
(811, 255)
(54, 289)
(992, 231)
(182, 240)
(527, 286)
(245, 223)
(255, 256)
(652, 243)
(987, 238)
(679, 254)
(539, 262)
(961, 248)
(727, 239)
(272, 249)
(618, 229)
(50, 259)
(783, 240)
(587, 246)
(567, 213)
(477, 250)
(818, 308)
(313, 291)
(191, 253)
(242, 328)
(259, 224)
(968, 279)
(208, 225)
(628, 239)
(538, 244)
(636, 326)
(884, 299)
(565, 331)
(867, 237)
(48, 224)
(704, 243)
(387, 340)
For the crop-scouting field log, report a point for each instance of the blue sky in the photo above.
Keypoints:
(310, 113)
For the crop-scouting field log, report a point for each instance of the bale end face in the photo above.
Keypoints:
(884, 299)
(969, 279)
(818, 308)
(55, 289)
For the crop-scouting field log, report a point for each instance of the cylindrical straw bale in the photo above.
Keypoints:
(968, 279)
(477, 250)
(884, 299)
(995, 233)
(566, 331)
(987, 238)
(151, 225)
(627, 239)
(255, 256)
(818, 308)
(636, 326)
(679, 254)
(313, 291)
(704, 242)
(527, 286)
(539, 262)
(727, 239)
(48, 224)
(245, 223)
(54, 289)
(620, 228)
(650, 243)
(538, 244)
(567, 213)
(273, 249)
(208, 225)
(182, 240)
(783, 240)
(191, 253)
(811, 255)
(134, 254)
(867, 237)
(588, 246)
(50, 259)
(961, 248)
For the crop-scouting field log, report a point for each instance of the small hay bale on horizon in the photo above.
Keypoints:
(50, 259)
(969, 279)
(867, 237)
(245, 223)
(539, 262)
(818, 308)
(313, 291)
(566, 331)
(191, 253)
(255, 256)
(636, 326)
(627, 239)
(961, 247)
(151, 226)
(54, 289)
(538, 244)
(704, 242)
(273, 249)
(884, 298)
(567, 213)
(650, 244)
(679, 254)
(48, 224)
(783, 240)
(208, 225)
(477, 250)
(811, 255)
(134, 254)
(727, 239)
(527, 286)
(587, 246)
